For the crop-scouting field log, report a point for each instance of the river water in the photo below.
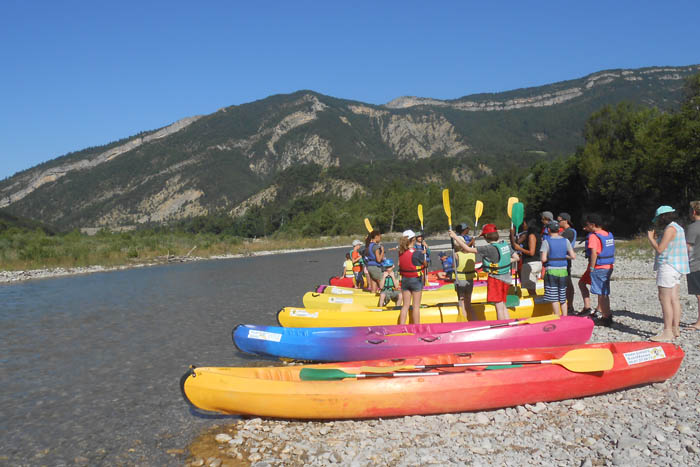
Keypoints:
(91, 364)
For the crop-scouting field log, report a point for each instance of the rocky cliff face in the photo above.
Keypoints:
(546, 99)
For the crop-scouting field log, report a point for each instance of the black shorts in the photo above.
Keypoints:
(694, 283)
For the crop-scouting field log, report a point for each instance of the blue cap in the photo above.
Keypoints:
(387, 263)
(662, 210)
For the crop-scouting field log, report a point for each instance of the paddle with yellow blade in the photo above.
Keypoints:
(478, 209)
(511, 201)
(368, 225)
(577, 361)
(420, 215)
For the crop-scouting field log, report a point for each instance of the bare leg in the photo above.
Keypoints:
(462, 308)
(569, 293)
(501, 310)
(406, 295)
(564, 309)
(415, 314)
(555, 309)
(697, 323)
(665, 298)
(604, 305)
(585, 294)
(676, 307)
(470, 310)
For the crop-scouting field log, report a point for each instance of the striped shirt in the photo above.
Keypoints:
(676, 253)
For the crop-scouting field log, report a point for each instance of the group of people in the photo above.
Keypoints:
(543, 250)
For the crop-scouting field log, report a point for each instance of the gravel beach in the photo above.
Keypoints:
(657, 424)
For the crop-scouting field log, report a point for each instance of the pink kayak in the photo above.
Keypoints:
(380, 342)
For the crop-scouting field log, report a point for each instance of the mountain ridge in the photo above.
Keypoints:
(230, 160)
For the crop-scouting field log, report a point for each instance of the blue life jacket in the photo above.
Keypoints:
(448, 265)
(556, 258)
(371, 255)
(607, 254)
(467, 239)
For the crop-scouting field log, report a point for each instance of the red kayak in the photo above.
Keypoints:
(431, 384)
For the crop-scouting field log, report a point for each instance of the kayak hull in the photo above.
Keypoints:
(280, 393)
(377, 342)
(304, 317)
(333, 297)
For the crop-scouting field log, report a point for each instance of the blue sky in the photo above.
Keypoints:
(75, 74)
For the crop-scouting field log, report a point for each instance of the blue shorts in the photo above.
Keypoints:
(412, 284)
(600, 281)
(555, 288)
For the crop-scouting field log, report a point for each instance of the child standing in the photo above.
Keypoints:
(347, 267)
(601, 262)
(496, 259)
(357, 264)
(389, 290)
(556, 250)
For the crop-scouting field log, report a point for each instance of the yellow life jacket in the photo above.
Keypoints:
(348, 268)
(465, 266)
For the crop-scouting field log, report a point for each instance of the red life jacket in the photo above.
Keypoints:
(406, 266)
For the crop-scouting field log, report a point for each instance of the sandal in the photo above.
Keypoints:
(661, 338)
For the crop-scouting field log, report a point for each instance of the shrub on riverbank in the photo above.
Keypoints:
(34, 249)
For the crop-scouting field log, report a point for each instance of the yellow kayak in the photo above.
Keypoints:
(321, 318)
(359, 300)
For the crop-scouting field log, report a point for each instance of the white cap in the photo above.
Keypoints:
(356, 242)
(409, 233)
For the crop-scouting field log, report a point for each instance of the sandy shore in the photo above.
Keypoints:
(656, 424)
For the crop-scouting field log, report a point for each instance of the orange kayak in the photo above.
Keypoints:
(430, 384)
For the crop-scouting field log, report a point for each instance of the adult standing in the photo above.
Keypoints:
(411, 263)
(670, 263)
(556, 250)
(374, 255)
(585, 279)
(497, 257)
(600, 265)
(530, 253)
(693, 240)
(568, 233)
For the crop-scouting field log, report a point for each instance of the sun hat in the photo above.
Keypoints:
(566, 216)
(662, 210)
(489, 228)
(356, 242)
(419, 233)
(548, 215)
(409, 233)
(459, 228)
